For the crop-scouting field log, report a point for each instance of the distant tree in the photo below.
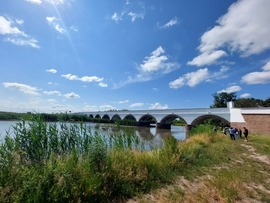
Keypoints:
(266, 102)
(221, 99)
(248, 103)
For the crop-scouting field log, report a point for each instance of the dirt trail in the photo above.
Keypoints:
(254, 155)
(199, 185)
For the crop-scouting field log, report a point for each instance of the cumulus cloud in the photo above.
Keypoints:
(207, 58)
(245, 95)
(56, 24)
(102, 84)
(192, 79)
(262, 77)
(152, 67)
(158, 106)
(169, 24)
(243, 29)
(231, 89)
(51, 70)
(71, 95)
(15, 35)
(158, 61)
(86, 79)
(22, 88)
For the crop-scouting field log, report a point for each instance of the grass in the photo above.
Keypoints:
(70, 163)
(227, 171)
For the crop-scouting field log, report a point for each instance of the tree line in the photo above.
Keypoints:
(221, 99)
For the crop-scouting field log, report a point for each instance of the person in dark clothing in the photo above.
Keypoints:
(240, 133)
(245, 132)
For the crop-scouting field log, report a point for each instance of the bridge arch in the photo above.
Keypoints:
(147, 120)
(130, 117)
(170, 118)
(106, 117)
(97, 116)
(91, 116)
(202, 118)
(115, 118)
(166, 121)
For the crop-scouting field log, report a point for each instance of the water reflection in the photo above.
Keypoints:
(151, 135)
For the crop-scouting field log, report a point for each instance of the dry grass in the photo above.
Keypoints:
(243, 176)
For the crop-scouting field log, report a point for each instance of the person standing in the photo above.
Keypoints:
(231, 132)
(240, 133)
(245, 132)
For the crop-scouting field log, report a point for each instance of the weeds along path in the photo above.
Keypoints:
(244, 178)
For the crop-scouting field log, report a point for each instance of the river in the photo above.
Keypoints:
(149, 134)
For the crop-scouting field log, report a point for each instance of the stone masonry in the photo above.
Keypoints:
(256, 124)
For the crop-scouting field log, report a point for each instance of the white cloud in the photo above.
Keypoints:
(19, 21)
(153, 66)
(262, 77)
(123, 101)
(90, 79)
(15, 35)
(71, 95)
(135, 16)
(102, 84)
(231, 89)
(116, 17)
(51, 70)
(134, 105)
(24, 42)
(266, 67)
(256, 78)
(86, 79)
(56, 2)
(133, 10)
(192, 79)
(158, 62)
(52, 83)
(106, 107)
(169, 24)
(56, 24)
(6, 28)
(245, 95)
(34, 1)
(22, 88)
(75, 29)
(158, 106)
(207, 58)
(52, 93)
(243, 29)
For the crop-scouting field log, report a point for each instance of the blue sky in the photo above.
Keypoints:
(91, 55)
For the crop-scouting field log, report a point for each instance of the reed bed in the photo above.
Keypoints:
(49, 162)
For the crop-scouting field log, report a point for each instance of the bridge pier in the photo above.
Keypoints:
(189, 127)
(144, 124)
(163, 126)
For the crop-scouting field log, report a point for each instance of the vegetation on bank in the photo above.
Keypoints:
(69, 163)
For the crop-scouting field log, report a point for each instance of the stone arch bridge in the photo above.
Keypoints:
(257, 120)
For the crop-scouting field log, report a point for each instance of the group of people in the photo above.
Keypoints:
(236, 133)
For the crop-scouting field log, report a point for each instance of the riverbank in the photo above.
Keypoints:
(233, 172)
(46, 164)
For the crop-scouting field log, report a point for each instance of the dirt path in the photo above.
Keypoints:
(200, 189)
